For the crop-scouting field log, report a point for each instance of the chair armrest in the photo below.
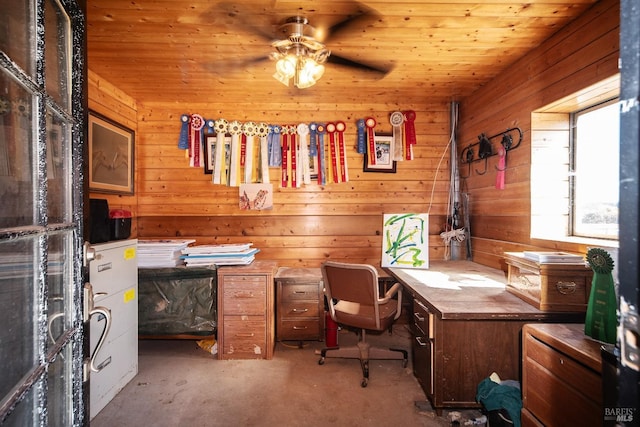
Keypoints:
(395, 289)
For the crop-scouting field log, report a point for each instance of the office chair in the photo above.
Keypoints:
(353, 298)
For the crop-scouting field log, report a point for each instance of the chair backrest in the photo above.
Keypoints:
(352, 294)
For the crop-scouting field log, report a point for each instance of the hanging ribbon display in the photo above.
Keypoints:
(322, 166)
(221, 126)
(303, 158)
(344, 174)
(502, 166)
(248, 132)
(331, 131)
(294, 156)
(183, 140)
(410, 132)
(197, 123)
(262, 131)
(235, 129)
(370, 123)
(397, 119)
(313, 139)
(275, 147)
(361, 147)
(285, 156)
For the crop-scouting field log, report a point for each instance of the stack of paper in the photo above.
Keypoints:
(161, 253)
(228, 254)
(554, 257)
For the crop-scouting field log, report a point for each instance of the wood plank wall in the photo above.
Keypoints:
(307, 225)
(581, 54)
(344, 221)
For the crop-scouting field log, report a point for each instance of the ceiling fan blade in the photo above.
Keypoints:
(377, 69)
(225, 67)
(360, 16)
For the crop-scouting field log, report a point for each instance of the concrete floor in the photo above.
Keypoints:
(180, 384)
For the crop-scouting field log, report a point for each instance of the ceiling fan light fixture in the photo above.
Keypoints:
(308, 73)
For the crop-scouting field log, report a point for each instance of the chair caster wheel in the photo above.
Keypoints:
(364, 383)
(321, 361)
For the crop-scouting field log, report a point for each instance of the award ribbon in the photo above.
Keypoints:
(322, 166)
(235, 129)
(313, 139)
(183, 140)
(275, 147)
(331, 130)
(197, 123)
(305, 172)
(370, 123)
(361, 147)
(221, 126)
(285, 155)
(410, 130)
(263, 159)
(340, 127)
(248, 132)
(397, 119)
(294, 157)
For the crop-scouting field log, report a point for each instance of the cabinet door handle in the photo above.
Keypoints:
(297, 328)
(243, 294)
(566, 288)
(247, 335)
(295, 310)
(300, 292)
(420, 342)
(418, 317)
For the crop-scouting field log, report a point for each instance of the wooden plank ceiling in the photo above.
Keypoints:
(204, 50)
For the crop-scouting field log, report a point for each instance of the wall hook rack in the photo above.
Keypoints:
(485, 149)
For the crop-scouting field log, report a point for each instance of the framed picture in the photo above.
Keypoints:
(383, 144)
(210, 141)
(111, 156)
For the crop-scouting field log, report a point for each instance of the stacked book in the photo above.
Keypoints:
(227, 254)
(161, 253)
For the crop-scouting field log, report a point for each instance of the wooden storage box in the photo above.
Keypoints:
(549, 286)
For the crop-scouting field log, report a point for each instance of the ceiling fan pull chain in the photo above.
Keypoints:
(397, 119)
(340, 127)
(370, 122)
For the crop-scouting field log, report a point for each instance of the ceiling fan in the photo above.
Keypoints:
(301, 51)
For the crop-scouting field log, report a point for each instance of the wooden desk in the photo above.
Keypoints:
(466, 326)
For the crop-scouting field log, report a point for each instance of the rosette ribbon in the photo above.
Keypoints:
(410, 131)
(248, 132)
(322, 165)
(235, 129)
(275, 145)
(262, 131)
(331, 131)
(183, 140)
(219, 163)
(370, 123)
(304, 175)
(285, 156)
(361, 147)
(195, 143)
(344, 174)
(397, 119)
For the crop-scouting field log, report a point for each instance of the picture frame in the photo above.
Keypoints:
(209, 148)
(383, 143)
(111, 156)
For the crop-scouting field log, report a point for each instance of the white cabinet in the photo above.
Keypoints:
(114, 276)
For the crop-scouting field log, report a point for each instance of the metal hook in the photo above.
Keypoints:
(467, 153)
(486, 161)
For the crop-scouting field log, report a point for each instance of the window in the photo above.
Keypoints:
(595, 171)
(575, 166)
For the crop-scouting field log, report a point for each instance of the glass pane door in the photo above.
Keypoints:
(40, 213)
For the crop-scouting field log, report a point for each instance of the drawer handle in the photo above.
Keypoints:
(243, 294)
(418, 317)
(566, 288)
(295, 310)
(247, 335)
(298, 328)
(420, 342)
(300, 292)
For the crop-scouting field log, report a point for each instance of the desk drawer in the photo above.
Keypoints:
(297, 309)
(300, 292)
(245, 337)
(245, 298)
(299, 329)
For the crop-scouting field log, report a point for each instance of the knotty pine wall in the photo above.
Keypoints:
(307, 225)
(344, 221)
(581, 54)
